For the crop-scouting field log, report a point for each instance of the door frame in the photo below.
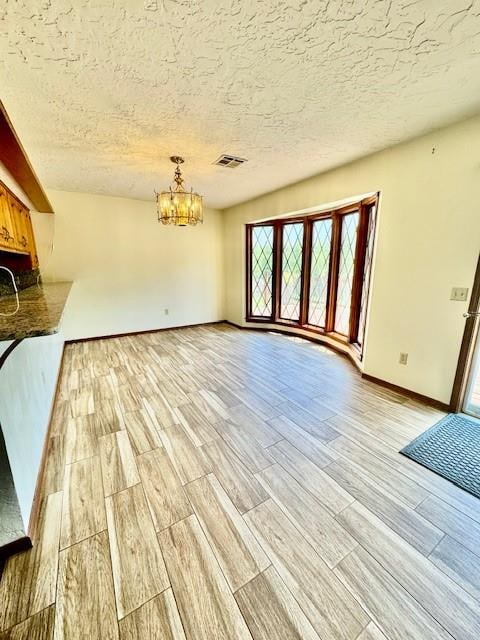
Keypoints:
(467, 347)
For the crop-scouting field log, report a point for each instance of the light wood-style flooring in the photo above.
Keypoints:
(217, 484)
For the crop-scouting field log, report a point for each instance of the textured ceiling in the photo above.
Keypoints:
(103, 91)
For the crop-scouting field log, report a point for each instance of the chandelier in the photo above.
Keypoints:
(177, 206)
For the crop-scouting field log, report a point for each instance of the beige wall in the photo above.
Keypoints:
(428, 241)
(126, 267)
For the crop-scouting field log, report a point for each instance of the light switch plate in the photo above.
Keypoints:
(459, 294)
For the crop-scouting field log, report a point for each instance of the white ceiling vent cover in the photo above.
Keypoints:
(229, 161)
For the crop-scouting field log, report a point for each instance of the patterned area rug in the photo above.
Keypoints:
(451, 448)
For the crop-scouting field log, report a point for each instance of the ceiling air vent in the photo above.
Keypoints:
(229, 161)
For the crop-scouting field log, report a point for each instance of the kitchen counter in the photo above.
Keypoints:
(39, 313)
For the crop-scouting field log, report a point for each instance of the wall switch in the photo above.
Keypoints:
(403, 358)
(166, 312)
(459, 294)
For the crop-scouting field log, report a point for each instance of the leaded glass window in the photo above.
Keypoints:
(313, 272)
(292, 248)
(345, 272)
(262, 271)
(319, 271)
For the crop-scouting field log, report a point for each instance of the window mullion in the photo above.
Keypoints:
(277, 270)
(306, 263)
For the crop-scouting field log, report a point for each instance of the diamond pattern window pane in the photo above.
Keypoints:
(292, 246)
(262, 275)
(345, 273)
(366, 274)
(321, 245)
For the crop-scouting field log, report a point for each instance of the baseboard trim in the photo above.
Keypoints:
(311, 338)
(144, 331)
(431, 402)
(237, 326)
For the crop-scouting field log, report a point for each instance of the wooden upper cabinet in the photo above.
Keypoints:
(18, 215)
(7, 227)
(15, 160)
(16, 232)
(32, 247)
(22, 218)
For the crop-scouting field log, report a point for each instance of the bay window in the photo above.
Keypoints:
(313, 272)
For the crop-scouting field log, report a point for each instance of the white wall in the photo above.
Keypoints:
(27, 387)
(126, 267)
(428, 242)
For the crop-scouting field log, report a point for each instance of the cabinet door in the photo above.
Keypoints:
(20, 224)
(31, 239)
(7, 227)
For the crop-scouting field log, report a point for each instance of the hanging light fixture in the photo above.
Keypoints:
(177, 206)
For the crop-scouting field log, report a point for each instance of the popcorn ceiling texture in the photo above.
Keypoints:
(103, 91)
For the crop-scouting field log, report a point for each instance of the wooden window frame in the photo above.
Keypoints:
(363, 208)
(371, 205)
(251, 317)
(280, 269)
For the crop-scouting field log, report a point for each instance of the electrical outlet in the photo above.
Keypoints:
(166, 312)
(403, 358)
(459, 294)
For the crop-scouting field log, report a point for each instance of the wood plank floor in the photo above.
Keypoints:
(216, 484)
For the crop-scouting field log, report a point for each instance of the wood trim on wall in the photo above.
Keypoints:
(143, 331)
(466, 349)
(14, 157)
(431, 402)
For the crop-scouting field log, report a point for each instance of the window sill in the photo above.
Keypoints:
(335, 341)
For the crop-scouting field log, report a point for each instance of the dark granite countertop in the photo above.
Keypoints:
(39, 314)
